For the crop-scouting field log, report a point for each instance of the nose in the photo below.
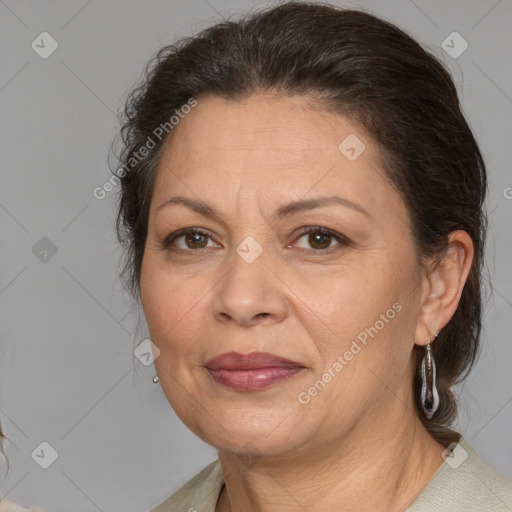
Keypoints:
(250, 294)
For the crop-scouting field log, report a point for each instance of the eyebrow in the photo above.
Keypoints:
(206, 210)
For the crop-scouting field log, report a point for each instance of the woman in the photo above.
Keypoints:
(302, 208)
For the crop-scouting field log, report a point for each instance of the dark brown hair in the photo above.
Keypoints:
(2, 438)
(356, 65)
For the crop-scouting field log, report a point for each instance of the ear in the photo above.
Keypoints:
(442, 287)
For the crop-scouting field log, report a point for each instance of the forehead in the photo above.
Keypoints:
(275, 147)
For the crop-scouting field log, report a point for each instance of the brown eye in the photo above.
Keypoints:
(187, 239)
(320, 239)
(195, 240)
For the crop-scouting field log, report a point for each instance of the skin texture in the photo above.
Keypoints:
(357, 444)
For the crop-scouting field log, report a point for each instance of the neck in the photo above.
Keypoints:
(374, 468)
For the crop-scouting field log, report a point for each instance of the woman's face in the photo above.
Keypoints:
(343, 310)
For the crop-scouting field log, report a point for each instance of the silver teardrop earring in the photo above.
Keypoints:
(156, 380)
(429, 394)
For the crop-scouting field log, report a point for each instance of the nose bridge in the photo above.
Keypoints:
(250, 291)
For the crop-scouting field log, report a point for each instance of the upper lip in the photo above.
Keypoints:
(237, 361)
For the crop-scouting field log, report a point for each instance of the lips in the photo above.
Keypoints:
(251, 372)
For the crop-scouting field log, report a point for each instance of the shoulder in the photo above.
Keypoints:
(465, 482)
(199, 494)
(10, 506)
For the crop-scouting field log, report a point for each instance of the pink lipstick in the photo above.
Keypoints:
(251, 372)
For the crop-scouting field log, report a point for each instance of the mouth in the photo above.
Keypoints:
(251, 372)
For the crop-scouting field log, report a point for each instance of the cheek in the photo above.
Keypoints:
(344, 304)
(364, 321)
(174, 308)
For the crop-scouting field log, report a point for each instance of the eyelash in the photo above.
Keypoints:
(342, 240)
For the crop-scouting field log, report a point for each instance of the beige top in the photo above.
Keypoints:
(10, 506)
(463, 483)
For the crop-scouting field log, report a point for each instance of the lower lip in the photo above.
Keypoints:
(254, 379)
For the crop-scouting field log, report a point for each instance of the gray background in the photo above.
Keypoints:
(68, 373)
